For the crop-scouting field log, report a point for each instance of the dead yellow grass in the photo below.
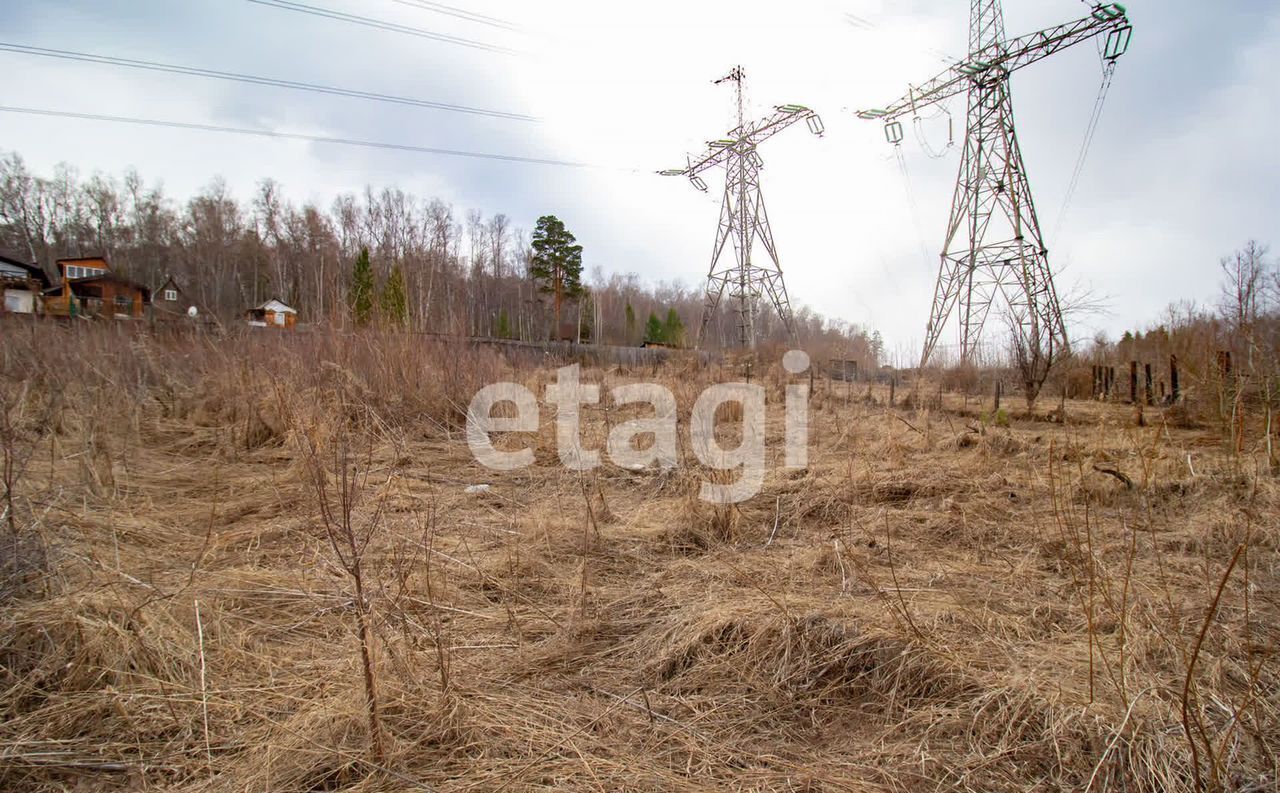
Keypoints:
(936, 603)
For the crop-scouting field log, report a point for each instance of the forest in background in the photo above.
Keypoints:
(462, 273)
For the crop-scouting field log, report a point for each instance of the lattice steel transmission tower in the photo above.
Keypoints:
(994, 244)
(743, 218)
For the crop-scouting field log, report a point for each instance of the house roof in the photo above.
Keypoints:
(69, 259)
(275, 305)
(34, 271)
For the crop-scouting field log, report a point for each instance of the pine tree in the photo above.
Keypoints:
(556, 263)
(653, 330)
(503, 331)
(631, 324)
(395, 303)
(362, 289)
(877, 347)
(673, 329)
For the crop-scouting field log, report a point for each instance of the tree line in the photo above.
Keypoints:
(1227, 349)
(377, 256)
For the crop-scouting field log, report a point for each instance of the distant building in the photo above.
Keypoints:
(170, 305)
(272, 314)
(843, 370)
(23, 284)
(90, 289)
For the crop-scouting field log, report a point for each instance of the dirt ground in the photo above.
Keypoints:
(946, 599)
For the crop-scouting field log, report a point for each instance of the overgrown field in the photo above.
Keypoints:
(252, 563)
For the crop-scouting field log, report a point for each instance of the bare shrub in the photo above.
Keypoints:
(351, 517)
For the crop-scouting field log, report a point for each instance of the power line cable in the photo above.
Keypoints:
(862, 23)
(266, 133)
(461, 13)
(911, 201)
(917, 124)
(394, 27)
(257, 80)
(1108, 73)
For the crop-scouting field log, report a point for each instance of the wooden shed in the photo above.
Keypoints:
(274, 313)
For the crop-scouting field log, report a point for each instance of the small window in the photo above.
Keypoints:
(279, 317)
(171, 295)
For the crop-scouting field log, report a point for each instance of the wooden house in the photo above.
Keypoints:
(22, 284)
(171, 305)
(272, 314)
(88, 288)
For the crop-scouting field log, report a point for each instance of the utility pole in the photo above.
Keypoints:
(743, 218)
(994, 245)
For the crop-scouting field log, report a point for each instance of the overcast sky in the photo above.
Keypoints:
(1184, 168)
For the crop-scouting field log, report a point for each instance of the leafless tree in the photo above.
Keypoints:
(351, 523)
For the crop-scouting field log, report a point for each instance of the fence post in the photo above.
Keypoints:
(997, 409)
(1133, 382)
(1148, 383)
(893, 388)
(1174, 392)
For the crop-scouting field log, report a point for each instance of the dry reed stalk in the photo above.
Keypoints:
(204, 692)
(1210, 613)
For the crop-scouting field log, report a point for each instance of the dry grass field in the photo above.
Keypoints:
(939, 602)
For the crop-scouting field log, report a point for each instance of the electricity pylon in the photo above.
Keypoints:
(994, 242)
(743, 218)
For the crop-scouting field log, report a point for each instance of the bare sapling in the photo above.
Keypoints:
(350, 527)
(1036, 352)
(435, 624)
